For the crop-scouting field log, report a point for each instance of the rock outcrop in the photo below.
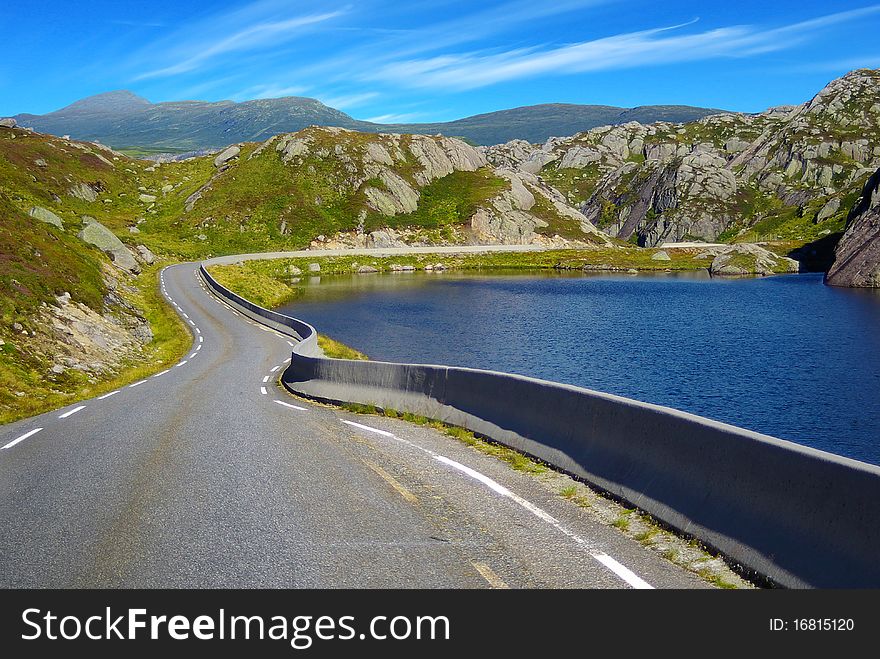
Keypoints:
(101, 237)
(671, 182)
(8, 122)
(749, 259)
(227, 155)
(45, 215)
(857, 257)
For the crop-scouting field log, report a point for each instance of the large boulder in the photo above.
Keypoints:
(857, 256)
(47, 216)
(95, 233)
(747, 259)
(8, 122)
(227, 155)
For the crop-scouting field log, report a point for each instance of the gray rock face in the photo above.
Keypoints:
(95, 233)
(857, 256)
(314, 267)
(47, 216)
(84, 192)
(747, 259)
(828, 210)
(8, 123)
(146, 255)
(227, 155)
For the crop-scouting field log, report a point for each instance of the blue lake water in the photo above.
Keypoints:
(787, 356)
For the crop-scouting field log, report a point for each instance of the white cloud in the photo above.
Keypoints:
(348, 100)
(649, 47)
(403, 117)
(231, 33)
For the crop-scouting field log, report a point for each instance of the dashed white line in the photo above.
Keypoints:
(623, 572)
(22, 438)
(185, 316)
(198, 331)
(198, 347)
(136, 384)
(162, 373)
(263, 391)
(384, 433)
(201, 339)
(266, 379)
(191, 323)
(617, 568)
(192, 355)
(183, 362)
(293, 407)
(275, 369)
(290, 344)
(71, 412)
(112, 393)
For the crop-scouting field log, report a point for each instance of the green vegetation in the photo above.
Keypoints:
(26, 371)
(446, 202)
(336, 350)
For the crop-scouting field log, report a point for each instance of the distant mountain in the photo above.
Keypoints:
(124, 120)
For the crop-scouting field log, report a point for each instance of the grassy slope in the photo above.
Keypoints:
(39, 262)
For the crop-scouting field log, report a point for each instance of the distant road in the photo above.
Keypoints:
(210, 475)
(386, 251)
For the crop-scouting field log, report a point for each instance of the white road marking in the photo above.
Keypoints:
(183, 362)
(71, 412)
(368, 428)
(185, 316)
(293, 407)
(191, 323)
(192, 355)
(287, 361)
(112, 393)
(132, 386)
(263, 391)
(198, 347)
(201, 339)
(290, 344)
(266, 379)
(23, 437)
(198, 331)
(162, 373)
(275, 369)
(617, 568)
(623, 572)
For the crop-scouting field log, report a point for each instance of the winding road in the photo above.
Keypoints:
(210, 475)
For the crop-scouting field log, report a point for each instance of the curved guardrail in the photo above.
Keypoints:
(798, 516)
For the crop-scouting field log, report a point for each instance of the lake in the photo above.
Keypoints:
(787, 356)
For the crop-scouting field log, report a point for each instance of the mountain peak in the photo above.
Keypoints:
(120, 100)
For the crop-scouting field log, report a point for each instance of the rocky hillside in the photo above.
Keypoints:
(857, 257)
(332, 187)
(788, 173)
(127, 121)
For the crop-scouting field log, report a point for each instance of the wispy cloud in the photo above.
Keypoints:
(269, 91)
(403, 117)
(134, 23)
(249, 29)
(665, 45)
(345, 101)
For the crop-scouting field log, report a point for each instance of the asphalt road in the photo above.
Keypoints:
(210, 475)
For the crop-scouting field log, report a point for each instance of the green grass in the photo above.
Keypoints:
(171, 340)
(447, 201)
(337, 350)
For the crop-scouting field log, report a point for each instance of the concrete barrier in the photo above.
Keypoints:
(798, 516)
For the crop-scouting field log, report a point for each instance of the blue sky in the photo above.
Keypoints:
(435, 60)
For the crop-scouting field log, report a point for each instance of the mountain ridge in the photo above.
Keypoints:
(124, 120)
